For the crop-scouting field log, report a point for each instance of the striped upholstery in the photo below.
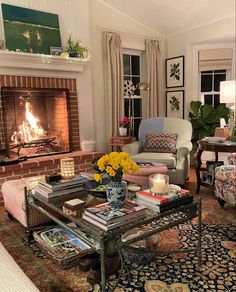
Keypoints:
(13, 279)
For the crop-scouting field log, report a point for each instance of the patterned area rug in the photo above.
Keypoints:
(178, 272)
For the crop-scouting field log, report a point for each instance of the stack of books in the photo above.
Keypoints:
(163, 203)
(55, 191)
(104, 217)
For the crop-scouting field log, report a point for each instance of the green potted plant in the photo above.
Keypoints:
(205, 118)
(75, 49)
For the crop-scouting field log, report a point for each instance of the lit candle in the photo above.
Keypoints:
(159, 186)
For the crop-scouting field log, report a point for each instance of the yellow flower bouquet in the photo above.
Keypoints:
(115, 164)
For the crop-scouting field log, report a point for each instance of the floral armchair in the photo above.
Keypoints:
(225, 182)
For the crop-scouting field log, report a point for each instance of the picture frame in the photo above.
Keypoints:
(175, 104)
(36, 31)
(2, 45)
(56, 51)
(175, 72)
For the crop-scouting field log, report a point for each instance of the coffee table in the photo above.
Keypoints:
(108, 243)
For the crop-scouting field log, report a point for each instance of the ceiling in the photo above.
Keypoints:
(173, 16)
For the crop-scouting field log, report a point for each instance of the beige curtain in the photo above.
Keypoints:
(113, 66)
(152, 56)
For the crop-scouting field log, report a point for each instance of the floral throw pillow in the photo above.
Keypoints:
(163, 143)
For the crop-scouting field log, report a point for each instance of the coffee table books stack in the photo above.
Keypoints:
(57, 191)
(106, 218)
(159, 203)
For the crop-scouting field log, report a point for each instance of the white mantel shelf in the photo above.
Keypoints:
(38, 62)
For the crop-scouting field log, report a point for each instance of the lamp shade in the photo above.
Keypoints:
(228, 91)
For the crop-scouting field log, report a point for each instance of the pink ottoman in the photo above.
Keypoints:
(142, 178)
(14, 202)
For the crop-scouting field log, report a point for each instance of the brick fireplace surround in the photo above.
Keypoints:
(51, 163)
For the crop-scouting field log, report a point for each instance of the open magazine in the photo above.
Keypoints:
(63, 241)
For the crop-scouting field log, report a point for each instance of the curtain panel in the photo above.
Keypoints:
(113, 73)
(153, 61)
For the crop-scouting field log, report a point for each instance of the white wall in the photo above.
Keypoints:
(218, 35)
(103, 17)
(74, 19)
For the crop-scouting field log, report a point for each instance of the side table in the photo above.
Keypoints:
(208, 145)
(119, 141)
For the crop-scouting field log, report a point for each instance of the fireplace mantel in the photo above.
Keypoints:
(36, 63)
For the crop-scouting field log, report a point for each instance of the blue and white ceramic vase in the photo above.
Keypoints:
(116, 194)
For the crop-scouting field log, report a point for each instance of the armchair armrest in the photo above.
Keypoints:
(132, 148)
(183, 150)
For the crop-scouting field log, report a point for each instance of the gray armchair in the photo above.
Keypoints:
(178, 163)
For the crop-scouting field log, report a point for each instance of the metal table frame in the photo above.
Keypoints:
(106, 243)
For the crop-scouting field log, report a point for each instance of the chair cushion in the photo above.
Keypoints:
(226, 192)
(166, 158)
(226, 173)
(161, 143)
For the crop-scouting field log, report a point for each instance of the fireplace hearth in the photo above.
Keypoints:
(36, 121)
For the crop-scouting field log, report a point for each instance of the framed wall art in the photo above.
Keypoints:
(35, 31)
(175, 72)
(175, 104)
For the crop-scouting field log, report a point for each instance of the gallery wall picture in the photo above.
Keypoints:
(175, 72)
(175, 104)
(35, 31)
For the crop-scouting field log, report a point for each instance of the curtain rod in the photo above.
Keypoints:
(128, 33)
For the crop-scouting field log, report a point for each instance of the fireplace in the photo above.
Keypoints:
(36, 121)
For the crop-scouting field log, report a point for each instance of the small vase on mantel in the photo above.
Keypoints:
(123, 131)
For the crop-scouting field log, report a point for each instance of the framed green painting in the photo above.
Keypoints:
(31, 31)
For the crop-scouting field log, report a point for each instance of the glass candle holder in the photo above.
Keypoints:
(159, 184)
(67, 168)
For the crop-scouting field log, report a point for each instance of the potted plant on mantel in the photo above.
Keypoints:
(75, 49)
(204, 119)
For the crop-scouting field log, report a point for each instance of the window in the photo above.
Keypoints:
(133, 104)
(210, 86)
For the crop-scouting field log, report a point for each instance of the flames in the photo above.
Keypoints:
(30, 129)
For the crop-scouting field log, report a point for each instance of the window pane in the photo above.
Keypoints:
(217, 79)
(136, 127)
(216, 100)
(135, 65)
(208, 99)
(206, 83)
(135, 81)
(126, 61)
(207, 72)
(126, 107)
(137, 107)
(220, 71)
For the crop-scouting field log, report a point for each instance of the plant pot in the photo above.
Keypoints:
(72, 53)
(116, 194)
(123, 131)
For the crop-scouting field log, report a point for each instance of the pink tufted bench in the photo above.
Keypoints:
(14, 202)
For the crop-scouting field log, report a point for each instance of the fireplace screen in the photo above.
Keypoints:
(35, 121)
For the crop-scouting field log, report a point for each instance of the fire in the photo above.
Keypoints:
(30, 129)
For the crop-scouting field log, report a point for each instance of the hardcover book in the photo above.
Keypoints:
(111, 226)
(167, 206)
(147, 195)
(78, 180)
(106, 215)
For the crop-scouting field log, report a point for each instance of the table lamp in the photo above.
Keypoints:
(228, 96)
